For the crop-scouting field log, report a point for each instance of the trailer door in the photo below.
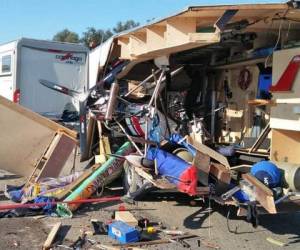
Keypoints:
(6, 76)
(62, 67)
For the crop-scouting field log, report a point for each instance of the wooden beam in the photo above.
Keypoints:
(203, 38)
(137, 43)
(275, 7)
(166, 51)
(178, 29)
(51, 236)
(263, 194)
(156, 37)
(123, 41)
(210, 152)
(202, 163)
(220, 172)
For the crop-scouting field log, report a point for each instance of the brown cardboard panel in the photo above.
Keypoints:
(24, 136)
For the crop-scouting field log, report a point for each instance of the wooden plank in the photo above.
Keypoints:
(204, 37)
(60, 154)
(126, 217)
(202, 163)
(208, 151)
(104, 147)
(263, 194)
(44, 157)
(51, 236)
(220, 172)
(89, 139)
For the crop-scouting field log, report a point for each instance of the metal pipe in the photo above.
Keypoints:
(153, 97)
(129, 138)
(173, 73)
(213, 113)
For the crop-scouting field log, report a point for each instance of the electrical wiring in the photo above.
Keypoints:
(276, 44)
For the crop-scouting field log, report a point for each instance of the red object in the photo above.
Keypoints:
(122, 208)
(287, 79)
(55, 50)
(41, 204)
(16, 96)
(188, 181)
(137, 126)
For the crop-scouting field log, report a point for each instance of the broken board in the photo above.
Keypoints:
(208, 151)
(263, 194)
(24, 136)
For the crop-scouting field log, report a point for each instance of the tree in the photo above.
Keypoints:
(66, 36)
(93, 37)
(120, 26)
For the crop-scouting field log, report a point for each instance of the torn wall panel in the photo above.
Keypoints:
(24, 136)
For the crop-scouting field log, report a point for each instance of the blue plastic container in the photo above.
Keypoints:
(122, 232)
(264, 83)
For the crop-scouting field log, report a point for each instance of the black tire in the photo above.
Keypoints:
(131, 180)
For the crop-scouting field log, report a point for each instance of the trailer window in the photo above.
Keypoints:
(6, 64)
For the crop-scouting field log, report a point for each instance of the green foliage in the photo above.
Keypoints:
(120, 26)
(92, 37)
(66, 36)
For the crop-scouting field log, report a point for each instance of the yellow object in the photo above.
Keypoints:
(151, 230)
(276, 242)
(36, 190)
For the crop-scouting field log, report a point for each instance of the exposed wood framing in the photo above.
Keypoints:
(174, 35)
(181, 31)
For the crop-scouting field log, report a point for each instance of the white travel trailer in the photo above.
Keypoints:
(23, 62)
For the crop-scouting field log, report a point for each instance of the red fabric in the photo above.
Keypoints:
(188, 181)
(136, 125)
(285, 83)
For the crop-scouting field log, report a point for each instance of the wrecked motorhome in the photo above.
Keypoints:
(215, 87)
(204, 102)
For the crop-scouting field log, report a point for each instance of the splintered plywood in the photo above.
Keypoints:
(285, 146)
(24, 136)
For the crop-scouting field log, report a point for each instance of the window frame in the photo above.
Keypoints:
(1, 65)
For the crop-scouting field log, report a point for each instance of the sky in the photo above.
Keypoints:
(41, 19)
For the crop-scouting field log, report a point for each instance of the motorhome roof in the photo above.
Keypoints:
(48, 44)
